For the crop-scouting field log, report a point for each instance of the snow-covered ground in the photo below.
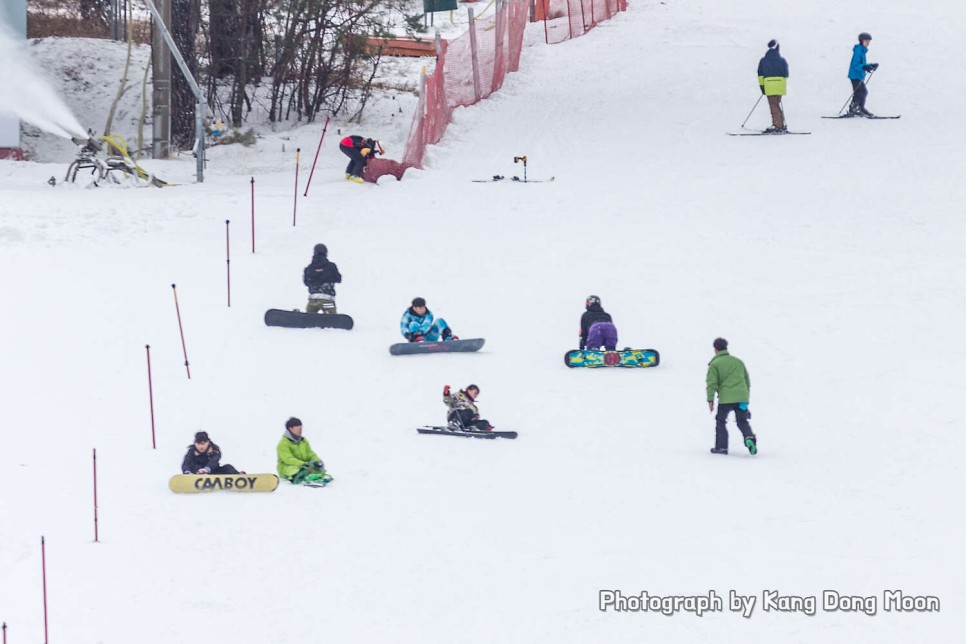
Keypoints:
(832, 262)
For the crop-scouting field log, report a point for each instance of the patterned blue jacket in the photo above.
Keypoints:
(411, 323)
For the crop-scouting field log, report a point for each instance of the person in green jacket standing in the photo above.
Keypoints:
(728, 377)
(296, 460)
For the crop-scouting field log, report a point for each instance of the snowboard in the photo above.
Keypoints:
(465, 433)
(443, 346)
(625, 358)
(300, 320)
(190, 483)
(874, 117)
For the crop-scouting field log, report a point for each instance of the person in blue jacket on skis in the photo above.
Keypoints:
(418, 324)
(857, 71)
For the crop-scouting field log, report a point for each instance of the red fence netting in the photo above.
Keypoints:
(498, 43)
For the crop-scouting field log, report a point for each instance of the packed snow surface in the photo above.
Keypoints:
(833, 263)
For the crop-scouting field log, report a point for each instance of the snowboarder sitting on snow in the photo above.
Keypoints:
(359, 150)
(203, 457)
(596, 327)
(296, 460)
(418, 324)
(463, 413)
(321, 276)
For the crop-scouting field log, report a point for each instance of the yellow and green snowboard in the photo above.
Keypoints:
(191, 483)
(626, 358)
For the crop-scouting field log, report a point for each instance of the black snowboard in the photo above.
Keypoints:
(299, 320)
(443, 346)
(465, 433)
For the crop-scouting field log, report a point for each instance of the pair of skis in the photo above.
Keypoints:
(498, 177)
(465, 433)
(873, 117)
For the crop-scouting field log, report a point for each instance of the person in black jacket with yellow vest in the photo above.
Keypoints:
(772, 78)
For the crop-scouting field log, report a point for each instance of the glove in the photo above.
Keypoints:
(871, 67)
(318, 465)
(875, 66)
(186, 472)
(762, 89)
(446, 390)
(408, 336)
(204, 470)
(365, 152)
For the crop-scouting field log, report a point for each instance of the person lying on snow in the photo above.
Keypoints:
(203, 458)
(462, 410)
(418, 324)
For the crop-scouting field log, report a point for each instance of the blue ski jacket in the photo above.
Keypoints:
(411, 323)
(857, 66)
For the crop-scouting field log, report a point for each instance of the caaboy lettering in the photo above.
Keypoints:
(240, 482)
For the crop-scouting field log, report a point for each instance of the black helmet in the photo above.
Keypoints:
(320, 249)
(865, 36)
(592, 300)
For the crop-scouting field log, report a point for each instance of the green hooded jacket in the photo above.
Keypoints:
(728, 377)
(292, 455)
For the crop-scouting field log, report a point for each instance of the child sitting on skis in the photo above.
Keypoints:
(418, 325)
(463, 413)
(321, 276)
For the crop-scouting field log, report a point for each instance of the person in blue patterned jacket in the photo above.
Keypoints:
(418, 324)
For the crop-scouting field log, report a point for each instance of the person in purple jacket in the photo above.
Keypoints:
(596, 327)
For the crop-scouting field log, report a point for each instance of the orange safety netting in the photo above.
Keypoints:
(497, 42)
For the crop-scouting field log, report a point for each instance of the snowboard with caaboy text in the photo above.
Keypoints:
(300, 320)
(625, 358)
(191, 483)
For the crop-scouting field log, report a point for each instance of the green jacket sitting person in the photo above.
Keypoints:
(296, 460)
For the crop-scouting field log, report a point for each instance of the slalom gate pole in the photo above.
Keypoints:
(295, 202)
(865, 81)
(4, 633)
(43, 560)
(95, 496)
(181, 330)
(546, 34)
(752, 111)
(314, 161)
(228, 258)
(253, 215)
(147, 348)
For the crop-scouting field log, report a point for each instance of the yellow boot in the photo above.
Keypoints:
(357, 179)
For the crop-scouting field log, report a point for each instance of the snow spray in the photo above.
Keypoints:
(25, 94)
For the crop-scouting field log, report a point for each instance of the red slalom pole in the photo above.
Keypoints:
(43, 560)
(95, 496)
(295, 203)
(253, 214)
(228, 258)
(147, 348)
(4, 633)
(314, 161)
(184, 349)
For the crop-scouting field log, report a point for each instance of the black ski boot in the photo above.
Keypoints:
(719, 450)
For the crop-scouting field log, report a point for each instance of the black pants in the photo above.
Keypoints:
(465, 418)
(224, 469)
(859, 92)
(721, 418)
(357, 162)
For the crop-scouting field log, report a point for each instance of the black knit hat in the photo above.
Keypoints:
(320, 249)
(201, 437)
(418, 301)
(772, 44)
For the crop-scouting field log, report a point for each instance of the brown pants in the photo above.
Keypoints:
(777, 116)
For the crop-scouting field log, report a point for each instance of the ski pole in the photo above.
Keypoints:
(865, 81)
(752, 111)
